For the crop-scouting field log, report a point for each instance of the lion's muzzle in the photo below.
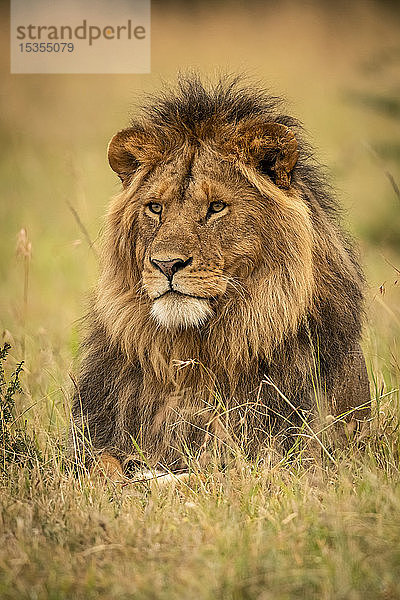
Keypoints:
(179, 302)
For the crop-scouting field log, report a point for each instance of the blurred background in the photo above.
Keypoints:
(338, 65)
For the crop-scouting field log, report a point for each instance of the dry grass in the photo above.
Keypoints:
(299, 529)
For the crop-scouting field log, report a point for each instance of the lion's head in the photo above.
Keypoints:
(207, 215)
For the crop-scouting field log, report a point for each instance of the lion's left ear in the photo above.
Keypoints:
(273, 149)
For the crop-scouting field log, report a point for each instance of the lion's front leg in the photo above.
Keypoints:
(109, 467)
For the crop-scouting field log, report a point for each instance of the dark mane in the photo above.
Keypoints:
(193, 102)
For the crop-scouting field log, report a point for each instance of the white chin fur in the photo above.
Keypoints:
(180, 312)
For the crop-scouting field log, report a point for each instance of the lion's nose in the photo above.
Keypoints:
(170, 267)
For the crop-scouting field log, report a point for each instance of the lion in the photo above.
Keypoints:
(229, 306)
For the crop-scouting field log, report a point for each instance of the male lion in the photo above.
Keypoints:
(229, 304)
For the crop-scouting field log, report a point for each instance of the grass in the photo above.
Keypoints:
(288, 531)
(272, 530)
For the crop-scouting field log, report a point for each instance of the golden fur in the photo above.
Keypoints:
(268, 279)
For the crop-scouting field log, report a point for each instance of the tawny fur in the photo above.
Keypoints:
(278, 280)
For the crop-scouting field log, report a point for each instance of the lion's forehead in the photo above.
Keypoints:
(193, 178)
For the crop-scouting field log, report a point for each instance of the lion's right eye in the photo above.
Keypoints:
(155, 208)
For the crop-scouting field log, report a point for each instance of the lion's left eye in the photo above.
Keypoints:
(216, 207)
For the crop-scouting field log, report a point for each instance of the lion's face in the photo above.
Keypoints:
(207, 227)
(198, 235)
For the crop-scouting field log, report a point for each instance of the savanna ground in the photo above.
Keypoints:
(299, 529)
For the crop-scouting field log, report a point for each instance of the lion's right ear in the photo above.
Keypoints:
(125, 152)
